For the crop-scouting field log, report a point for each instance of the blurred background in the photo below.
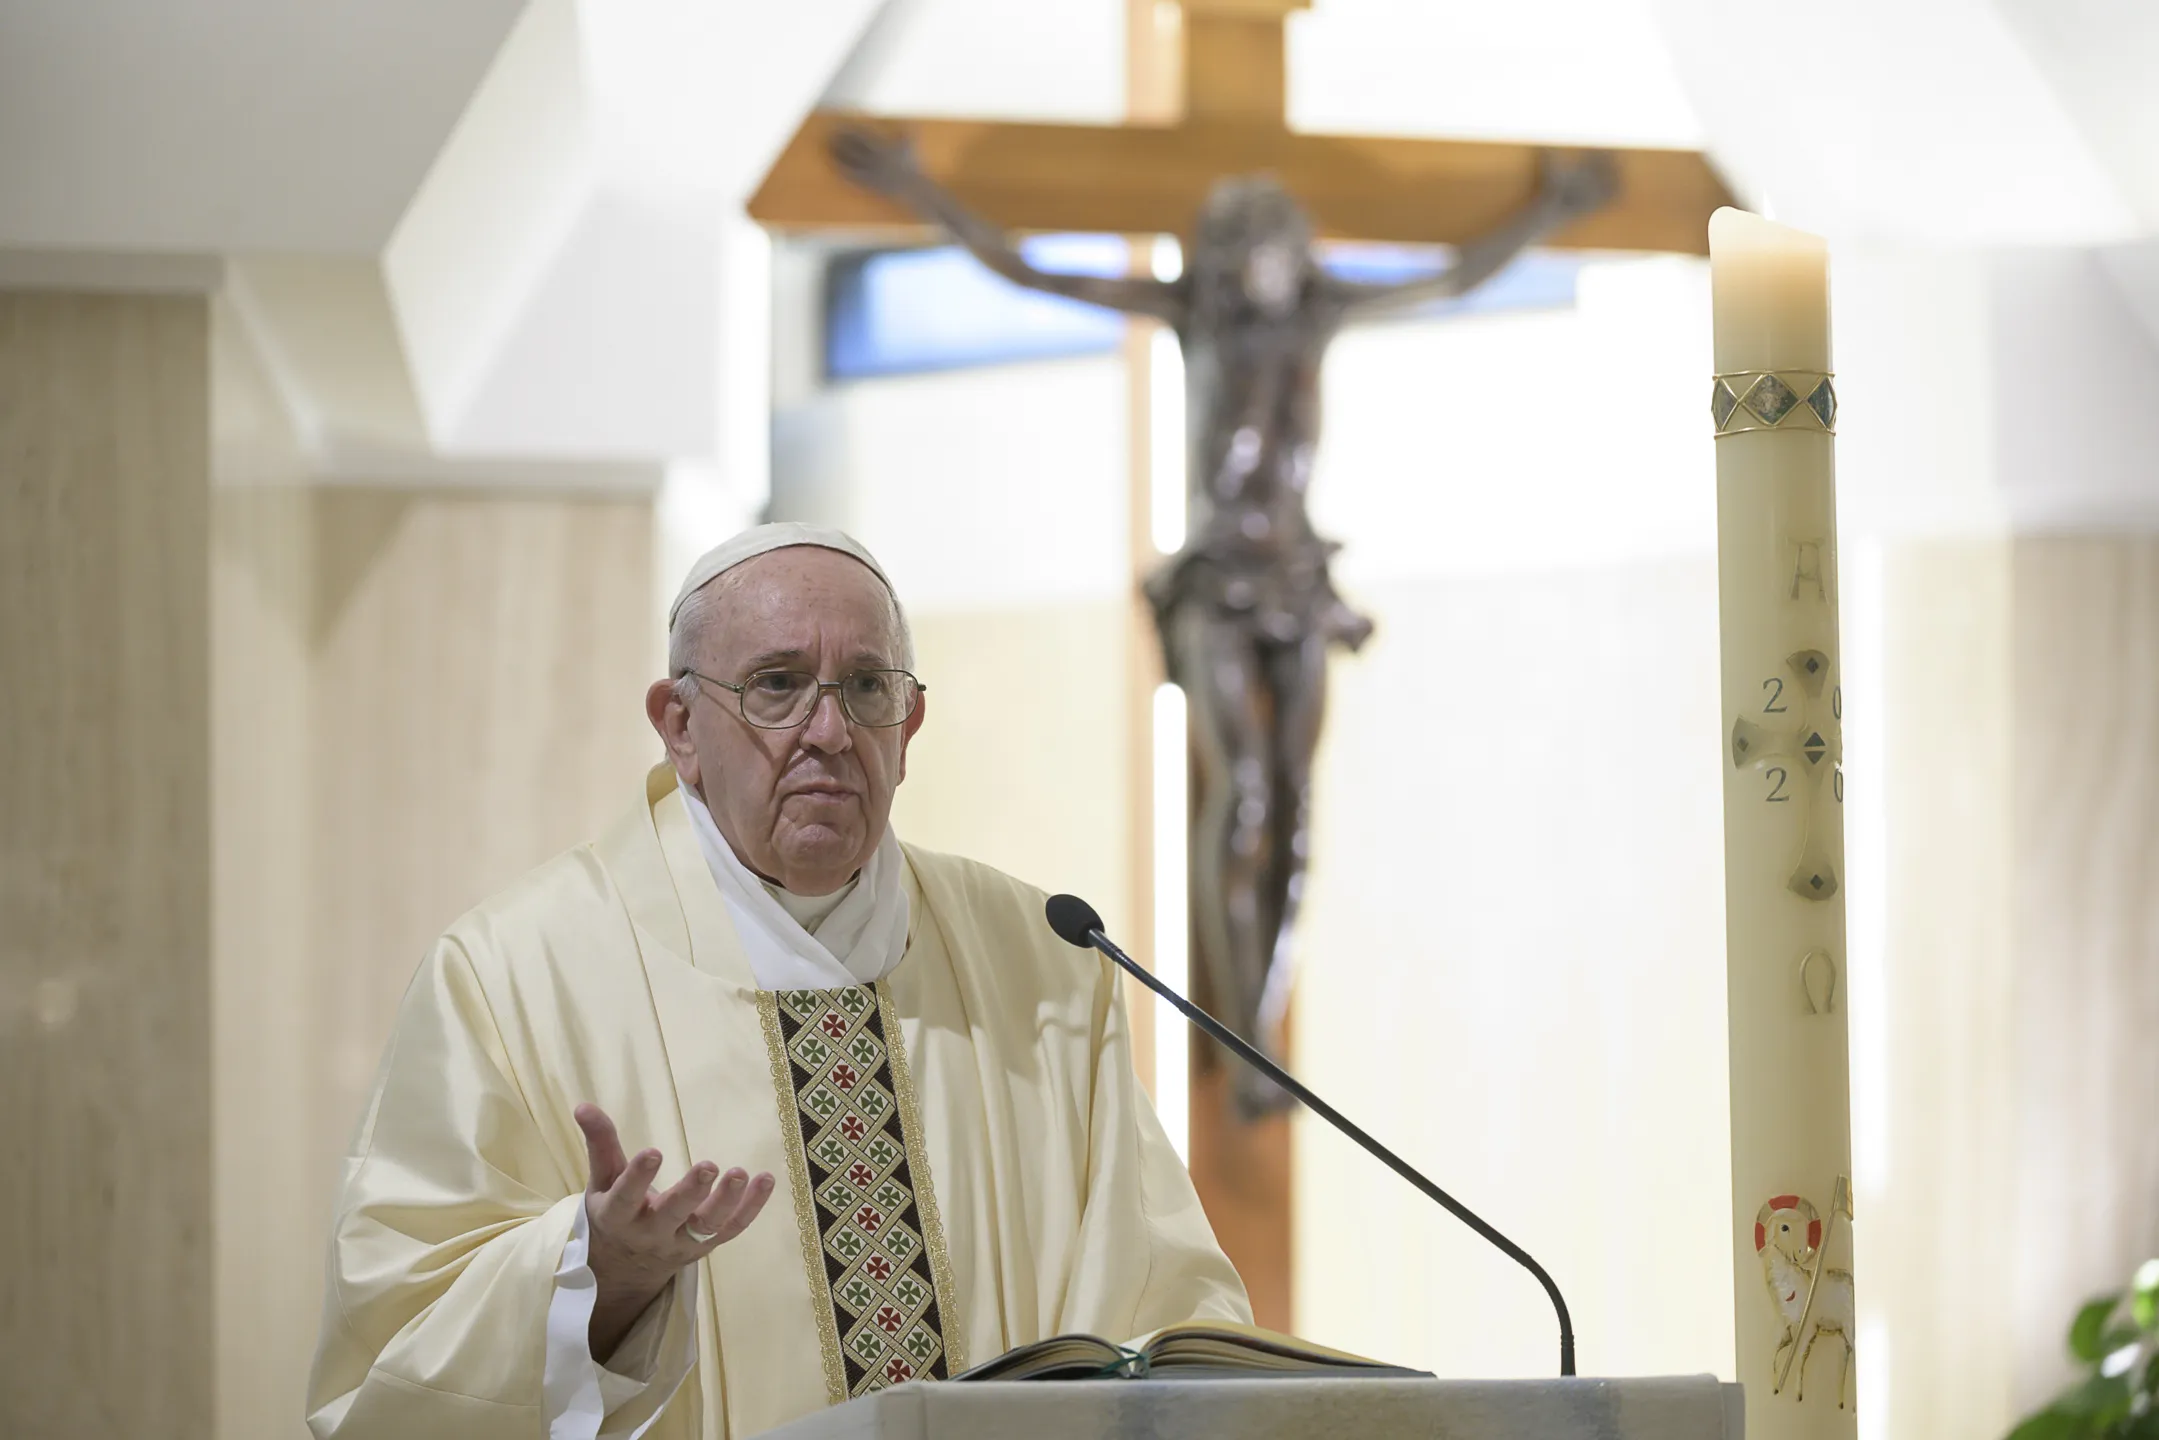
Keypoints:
(370, 370)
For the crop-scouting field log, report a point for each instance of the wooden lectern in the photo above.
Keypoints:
(1683, 1408)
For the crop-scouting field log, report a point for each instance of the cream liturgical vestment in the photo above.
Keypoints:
(965, 1160)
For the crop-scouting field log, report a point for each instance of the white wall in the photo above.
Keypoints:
(2076, 414)
(1062, 61)
(996, 499)
(1513, 961)
(1559, 70)
(1519, 853)
(379, 762)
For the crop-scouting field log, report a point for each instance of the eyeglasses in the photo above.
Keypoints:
(783, 699)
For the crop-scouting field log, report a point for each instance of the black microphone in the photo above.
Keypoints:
(1076, 923)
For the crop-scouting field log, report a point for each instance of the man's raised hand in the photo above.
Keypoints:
(641, 1237)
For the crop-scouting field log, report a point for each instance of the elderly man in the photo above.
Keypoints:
(886, 1123)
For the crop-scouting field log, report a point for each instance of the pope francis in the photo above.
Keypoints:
(886, 1122)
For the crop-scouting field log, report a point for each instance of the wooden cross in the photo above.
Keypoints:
(1150, 179)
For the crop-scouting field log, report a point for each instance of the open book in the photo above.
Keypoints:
(1210, 1349)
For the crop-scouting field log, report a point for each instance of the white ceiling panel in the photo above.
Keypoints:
(229, 125)
(1560, 70)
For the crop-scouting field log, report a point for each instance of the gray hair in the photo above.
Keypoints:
(705, 605)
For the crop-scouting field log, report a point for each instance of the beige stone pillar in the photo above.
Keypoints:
(2003, 1144)
(2083, 862)
(260, 741)
(105, 874)
(419, 692)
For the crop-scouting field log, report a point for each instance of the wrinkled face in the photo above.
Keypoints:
(806, 806)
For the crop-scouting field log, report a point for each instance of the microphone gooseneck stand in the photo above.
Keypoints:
(1076, 922)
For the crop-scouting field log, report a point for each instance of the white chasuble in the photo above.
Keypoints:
(965, 1161)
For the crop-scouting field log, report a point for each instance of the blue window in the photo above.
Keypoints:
(1533, 280)
(900, 312)
(904, 312)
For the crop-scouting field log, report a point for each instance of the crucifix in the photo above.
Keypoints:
(1246, 612)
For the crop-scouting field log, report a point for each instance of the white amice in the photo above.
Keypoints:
(857, 941)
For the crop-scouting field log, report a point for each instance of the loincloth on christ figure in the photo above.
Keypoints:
(1279, 595)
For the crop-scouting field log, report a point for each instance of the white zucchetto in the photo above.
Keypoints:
(761, 540)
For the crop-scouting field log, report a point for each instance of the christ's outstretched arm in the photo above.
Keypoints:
(886, 167)
(1570, 190)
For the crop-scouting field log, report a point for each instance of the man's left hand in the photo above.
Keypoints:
(642, 1237)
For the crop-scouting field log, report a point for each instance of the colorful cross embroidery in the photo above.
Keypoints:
(869, 1225)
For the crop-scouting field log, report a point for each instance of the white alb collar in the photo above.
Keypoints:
(860, 942)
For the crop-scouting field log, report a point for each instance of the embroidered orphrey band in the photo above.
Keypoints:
(918, 1161)
(1773, 400)
(879, 1275)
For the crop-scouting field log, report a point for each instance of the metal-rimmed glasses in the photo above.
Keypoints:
(783, 699)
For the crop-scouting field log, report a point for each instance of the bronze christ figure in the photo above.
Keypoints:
(1246, 610)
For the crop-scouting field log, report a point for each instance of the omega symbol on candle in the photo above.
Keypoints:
(1818, 981)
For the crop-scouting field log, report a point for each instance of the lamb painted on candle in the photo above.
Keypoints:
(1813, 1299)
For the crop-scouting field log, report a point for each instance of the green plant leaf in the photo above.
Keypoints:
(2116, 1337)
(2103, 1398)
(2051, 1424)
(2144, 1294)
(2087, 1332)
